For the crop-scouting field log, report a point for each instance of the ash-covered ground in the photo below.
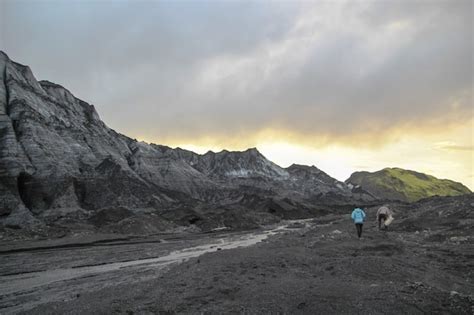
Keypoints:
(423, 264)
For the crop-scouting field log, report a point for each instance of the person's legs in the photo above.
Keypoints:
(359, 229)
(382, 218)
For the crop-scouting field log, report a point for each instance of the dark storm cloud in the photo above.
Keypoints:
(208, 69)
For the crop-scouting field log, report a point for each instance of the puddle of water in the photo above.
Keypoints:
(17, 283)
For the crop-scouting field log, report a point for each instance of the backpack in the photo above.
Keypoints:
(358, 215)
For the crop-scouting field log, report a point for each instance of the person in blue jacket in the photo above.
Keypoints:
(358, 215)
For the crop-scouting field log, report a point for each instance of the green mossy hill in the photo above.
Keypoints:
(400, 184)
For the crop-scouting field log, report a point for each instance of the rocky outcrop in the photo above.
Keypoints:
(57, 153)
(14, 162)
(57, 156)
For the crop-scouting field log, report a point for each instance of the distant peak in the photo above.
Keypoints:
(398, 170)
(49, 84)
(253, 151)
(294, 165)
(4, 55)
(210, 152)
(46, 82)
(250, 151)
(301, 166)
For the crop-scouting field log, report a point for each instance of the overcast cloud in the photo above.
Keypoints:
(184, 70)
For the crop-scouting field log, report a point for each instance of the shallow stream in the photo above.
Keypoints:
(27, 281)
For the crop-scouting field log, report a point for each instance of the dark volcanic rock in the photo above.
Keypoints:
(58, 157)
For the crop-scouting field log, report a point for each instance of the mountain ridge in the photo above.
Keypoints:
(61, 166)
(395, 183)
(59, 160)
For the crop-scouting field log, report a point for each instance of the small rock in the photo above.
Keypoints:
(458, 239)
(301, 305)
(417, 284)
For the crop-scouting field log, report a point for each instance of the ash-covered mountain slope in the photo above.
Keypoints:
(57, 157)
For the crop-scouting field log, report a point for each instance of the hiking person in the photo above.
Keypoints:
(358, 215)
(384, 217)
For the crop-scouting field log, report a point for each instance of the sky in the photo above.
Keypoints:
(342, 85)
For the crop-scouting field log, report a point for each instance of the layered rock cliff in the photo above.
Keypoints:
(57, 156)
